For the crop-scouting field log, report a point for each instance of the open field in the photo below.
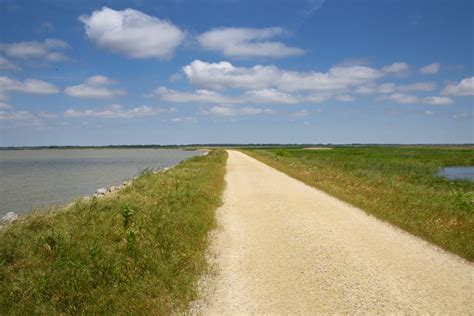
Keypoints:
(139, 251)
(396, 184)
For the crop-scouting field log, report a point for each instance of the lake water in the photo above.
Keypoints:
(30, 178)
(453, 173)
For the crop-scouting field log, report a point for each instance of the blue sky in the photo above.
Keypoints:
(230, 71)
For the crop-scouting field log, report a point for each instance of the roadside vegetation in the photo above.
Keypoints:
(138, 251)
(396, 184)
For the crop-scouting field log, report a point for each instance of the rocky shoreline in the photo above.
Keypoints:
(102, 192)
(11, 217)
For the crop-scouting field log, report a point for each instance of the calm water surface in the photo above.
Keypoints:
(30, 178)
(454, 173)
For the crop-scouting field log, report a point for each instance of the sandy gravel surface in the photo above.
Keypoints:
(286, 248)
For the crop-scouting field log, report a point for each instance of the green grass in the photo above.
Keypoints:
(396, 184)
(140, 251)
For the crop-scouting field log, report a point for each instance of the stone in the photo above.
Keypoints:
(101, 191)
(113, 189)
(9, 218)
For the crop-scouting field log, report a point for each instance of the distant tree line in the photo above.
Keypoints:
(227, 145)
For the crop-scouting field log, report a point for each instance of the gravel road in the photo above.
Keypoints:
(286, 248)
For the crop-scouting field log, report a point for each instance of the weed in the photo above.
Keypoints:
(131, 247)
(127, 213)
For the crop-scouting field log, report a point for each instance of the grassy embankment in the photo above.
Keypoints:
(396, 184)
(140, 251)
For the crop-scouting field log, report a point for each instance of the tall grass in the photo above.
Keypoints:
(140, 251)
(396, 184)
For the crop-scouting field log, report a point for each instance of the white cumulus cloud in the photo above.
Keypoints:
(263, 96)
(247, 42)
(386, 88)
(396, 68)
(50, 50)
(464, 116)
(270, 96)
(132, 33)
(116, 111)
(391, 87)
(7, 65)
(217, 76)
(371, 89)
(184, 119)
(17, 116)
(438, 100)
(402, 98)
(430, 69)
(317, 98)
(224, 75)
(418, 86)
(5, 106)
(48, 115)
(411, 99)
(344, 98)
(300, 113)
(95, 87)
(231, 111)
(31, 86)
(464, 88)
(201, 96)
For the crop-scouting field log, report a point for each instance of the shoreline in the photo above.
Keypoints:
(13, 216)
(99, 193)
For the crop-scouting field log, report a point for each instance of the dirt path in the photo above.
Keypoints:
(284, 247)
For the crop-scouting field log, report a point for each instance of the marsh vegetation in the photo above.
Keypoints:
(396, 184)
